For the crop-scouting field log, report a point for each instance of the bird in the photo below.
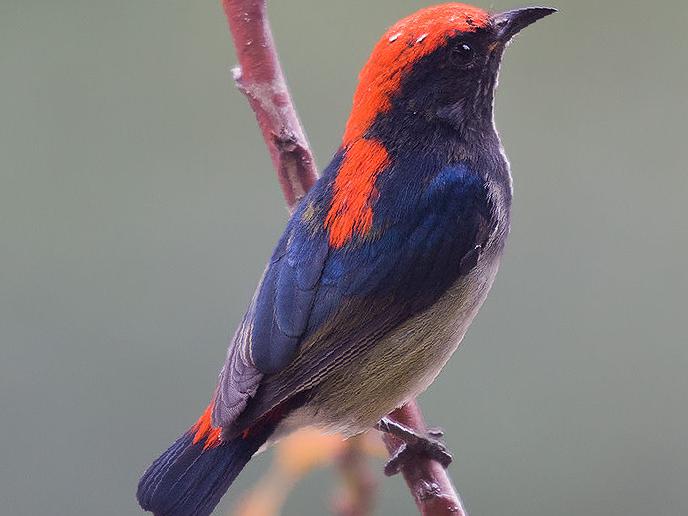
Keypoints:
(380, 269)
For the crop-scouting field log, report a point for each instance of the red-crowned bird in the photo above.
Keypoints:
(382, 266)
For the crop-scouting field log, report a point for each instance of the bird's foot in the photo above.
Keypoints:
(415, 446)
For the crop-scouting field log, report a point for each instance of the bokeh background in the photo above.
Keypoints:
(138, 206)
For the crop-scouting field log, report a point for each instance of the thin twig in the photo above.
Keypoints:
(259, 76)
(357, 494)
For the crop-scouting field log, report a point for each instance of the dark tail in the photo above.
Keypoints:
(192, 475)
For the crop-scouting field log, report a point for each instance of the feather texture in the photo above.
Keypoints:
(319, 305)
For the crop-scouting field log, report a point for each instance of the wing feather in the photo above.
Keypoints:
(318, 307)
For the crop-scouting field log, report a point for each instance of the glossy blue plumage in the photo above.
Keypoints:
(429, 216)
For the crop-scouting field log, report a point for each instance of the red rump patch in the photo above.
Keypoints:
(400, 48)
(203, 429)
(354, 187)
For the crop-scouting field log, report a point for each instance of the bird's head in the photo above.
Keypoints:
(438, 66)
(426, 90)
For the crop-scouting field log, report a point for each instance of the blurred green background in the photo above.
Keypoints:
(138, 206)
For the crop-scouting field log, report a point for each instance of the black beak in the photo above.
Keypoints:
(510, 23)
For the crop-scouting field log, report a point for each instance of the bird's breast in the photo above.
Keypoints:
(403, 363)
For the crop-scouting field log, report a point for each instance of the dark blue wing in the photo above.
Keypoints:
(414, 252)
(285, 299)
(278, 315)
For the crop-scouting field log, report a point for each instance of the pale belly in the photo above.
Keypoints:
(400, 366)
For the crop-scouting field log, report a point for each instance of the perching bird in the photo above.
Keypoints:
(382, 266)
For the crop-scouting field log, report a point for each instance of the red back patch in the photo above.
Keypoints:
(354, 187)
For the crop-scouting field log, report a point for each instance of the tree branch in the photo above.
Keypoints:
(428, 481)
(259, 76)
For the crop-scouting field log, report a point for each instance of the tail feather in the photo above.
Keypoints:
(196, 470)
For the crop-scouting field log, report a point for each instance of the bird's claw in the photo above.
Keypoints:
(407, 453)
(415, 446)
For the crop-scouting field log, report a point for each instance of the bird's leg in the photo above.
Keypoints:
(414, 445)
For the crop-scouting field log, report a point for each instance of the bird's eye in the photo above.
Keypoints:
(462, 55)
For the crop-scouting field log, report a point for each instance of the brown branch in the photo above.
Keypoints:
(427, 480)
(259, 76)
